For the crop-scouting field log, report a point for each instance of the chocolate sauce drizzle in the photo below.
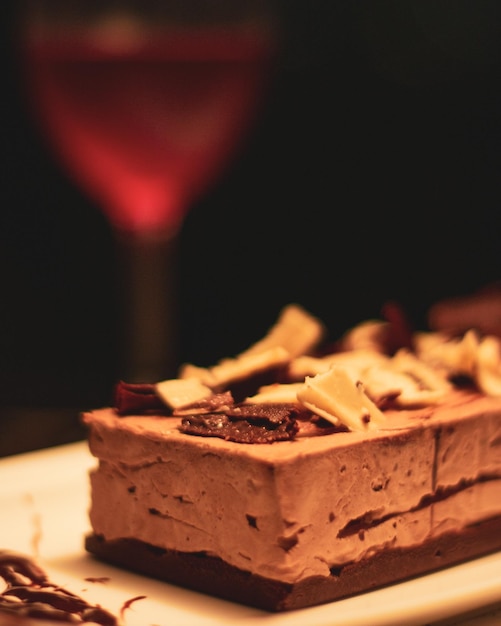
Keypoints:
(30, 594)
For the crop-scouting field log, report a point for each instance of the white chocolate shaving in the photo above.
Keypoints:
(295, 330)
(368, 335)
(429, 385)
(335, 397)
(243, 366)
(276, 392)
(178, 393)
(354, 361)
(488, 371)
(456, 356)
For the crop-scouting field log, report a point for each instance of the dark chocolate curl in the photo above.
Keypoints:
(138, 399)
(245, 424)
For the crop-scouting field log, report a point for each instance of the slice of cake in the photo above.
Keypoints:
(294, 475)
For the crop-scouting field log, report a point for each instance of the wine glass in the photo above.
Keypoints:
(145, 103)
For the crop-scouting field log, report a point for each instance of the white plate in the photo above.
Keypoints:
(44, 498)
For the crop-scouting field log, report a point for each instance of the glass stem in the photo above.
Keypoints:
(147, 306)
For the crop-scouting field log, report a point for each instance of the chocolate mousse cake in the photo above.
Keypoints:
(296, 474)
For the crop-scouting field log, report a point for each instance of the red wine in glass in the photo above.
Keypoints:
(144, 122)
(146, 128)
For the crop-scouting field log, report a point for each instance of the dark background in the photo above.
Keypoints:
(372, 174)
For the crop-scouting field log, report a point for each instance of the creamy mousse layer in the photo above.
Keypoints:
(293, 509)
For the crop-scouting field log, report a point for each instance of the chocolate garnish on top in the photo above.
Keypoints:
(246, 423)
(138, 399)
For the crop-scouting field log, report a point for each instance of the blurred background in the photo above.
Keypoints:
(372, 173)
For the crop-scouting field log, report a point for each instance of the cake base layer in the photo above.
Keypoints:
(210, 575)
